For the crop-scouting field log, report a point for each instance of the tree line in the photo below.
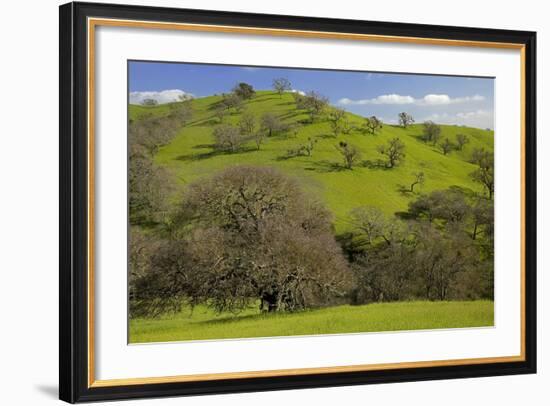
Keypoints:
(251, 236)
(440, 249)
(148, 184)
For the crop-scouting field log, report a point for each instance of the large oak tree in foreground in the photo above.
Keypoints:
(250, 235)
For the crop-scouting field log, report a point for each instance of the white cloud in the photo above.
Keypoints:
(427, 100)
(435, 99)
(162, 97)
(297, 91)
(444, 99)
(250, 69)
(477, 118)
(383, 99)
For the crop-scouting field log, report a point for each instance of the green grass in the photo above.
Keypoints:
(190, 156)
(204, 324)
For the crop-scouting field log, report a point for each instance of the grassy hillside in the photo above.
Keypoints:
(191, 156)
(203, 324)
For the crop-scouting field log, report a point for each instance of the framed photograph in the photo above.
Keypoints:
(258, 202)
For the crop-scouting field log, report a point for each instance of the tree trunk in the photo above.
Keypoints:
(271, 299)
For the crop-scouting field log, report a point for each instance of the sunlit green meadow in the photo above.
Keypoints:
(204, 324)
(191, 156)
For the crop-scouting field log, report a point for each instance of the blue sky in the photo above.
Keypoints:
(443, 99)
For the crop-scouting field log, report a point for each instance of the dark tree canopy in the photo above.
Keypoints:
(244, 90)
(418, 259)
(448, 205)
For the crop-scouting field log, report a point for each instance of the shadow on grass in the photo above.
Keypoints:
(290, 114)
(212, 154)
(285, 157)
(288, 156)
(286, 103)
(258, 99)
(326, 136)
(326, 167)
(232, 319)
(405, 215)
(202, 146)
(210, 121)
(251, 317)
(374, 164)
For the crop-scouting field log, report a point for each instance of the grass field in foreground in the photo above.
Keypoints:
(203, 324)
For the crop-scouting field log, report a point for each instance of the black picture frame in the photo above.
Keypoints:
(73, 256)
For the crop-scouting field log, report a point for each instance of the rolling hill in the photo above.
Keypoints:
(190, 156)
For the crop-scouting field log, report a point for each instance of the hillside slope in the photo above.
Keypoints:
(191, 156)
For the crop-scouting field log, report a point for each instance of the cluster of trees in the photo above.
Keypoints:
(233, 100)
(248, 235)
(432, 133)
(442, 251)
(250, 127)
(313, 103)
(148, 185)
(231, 138)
